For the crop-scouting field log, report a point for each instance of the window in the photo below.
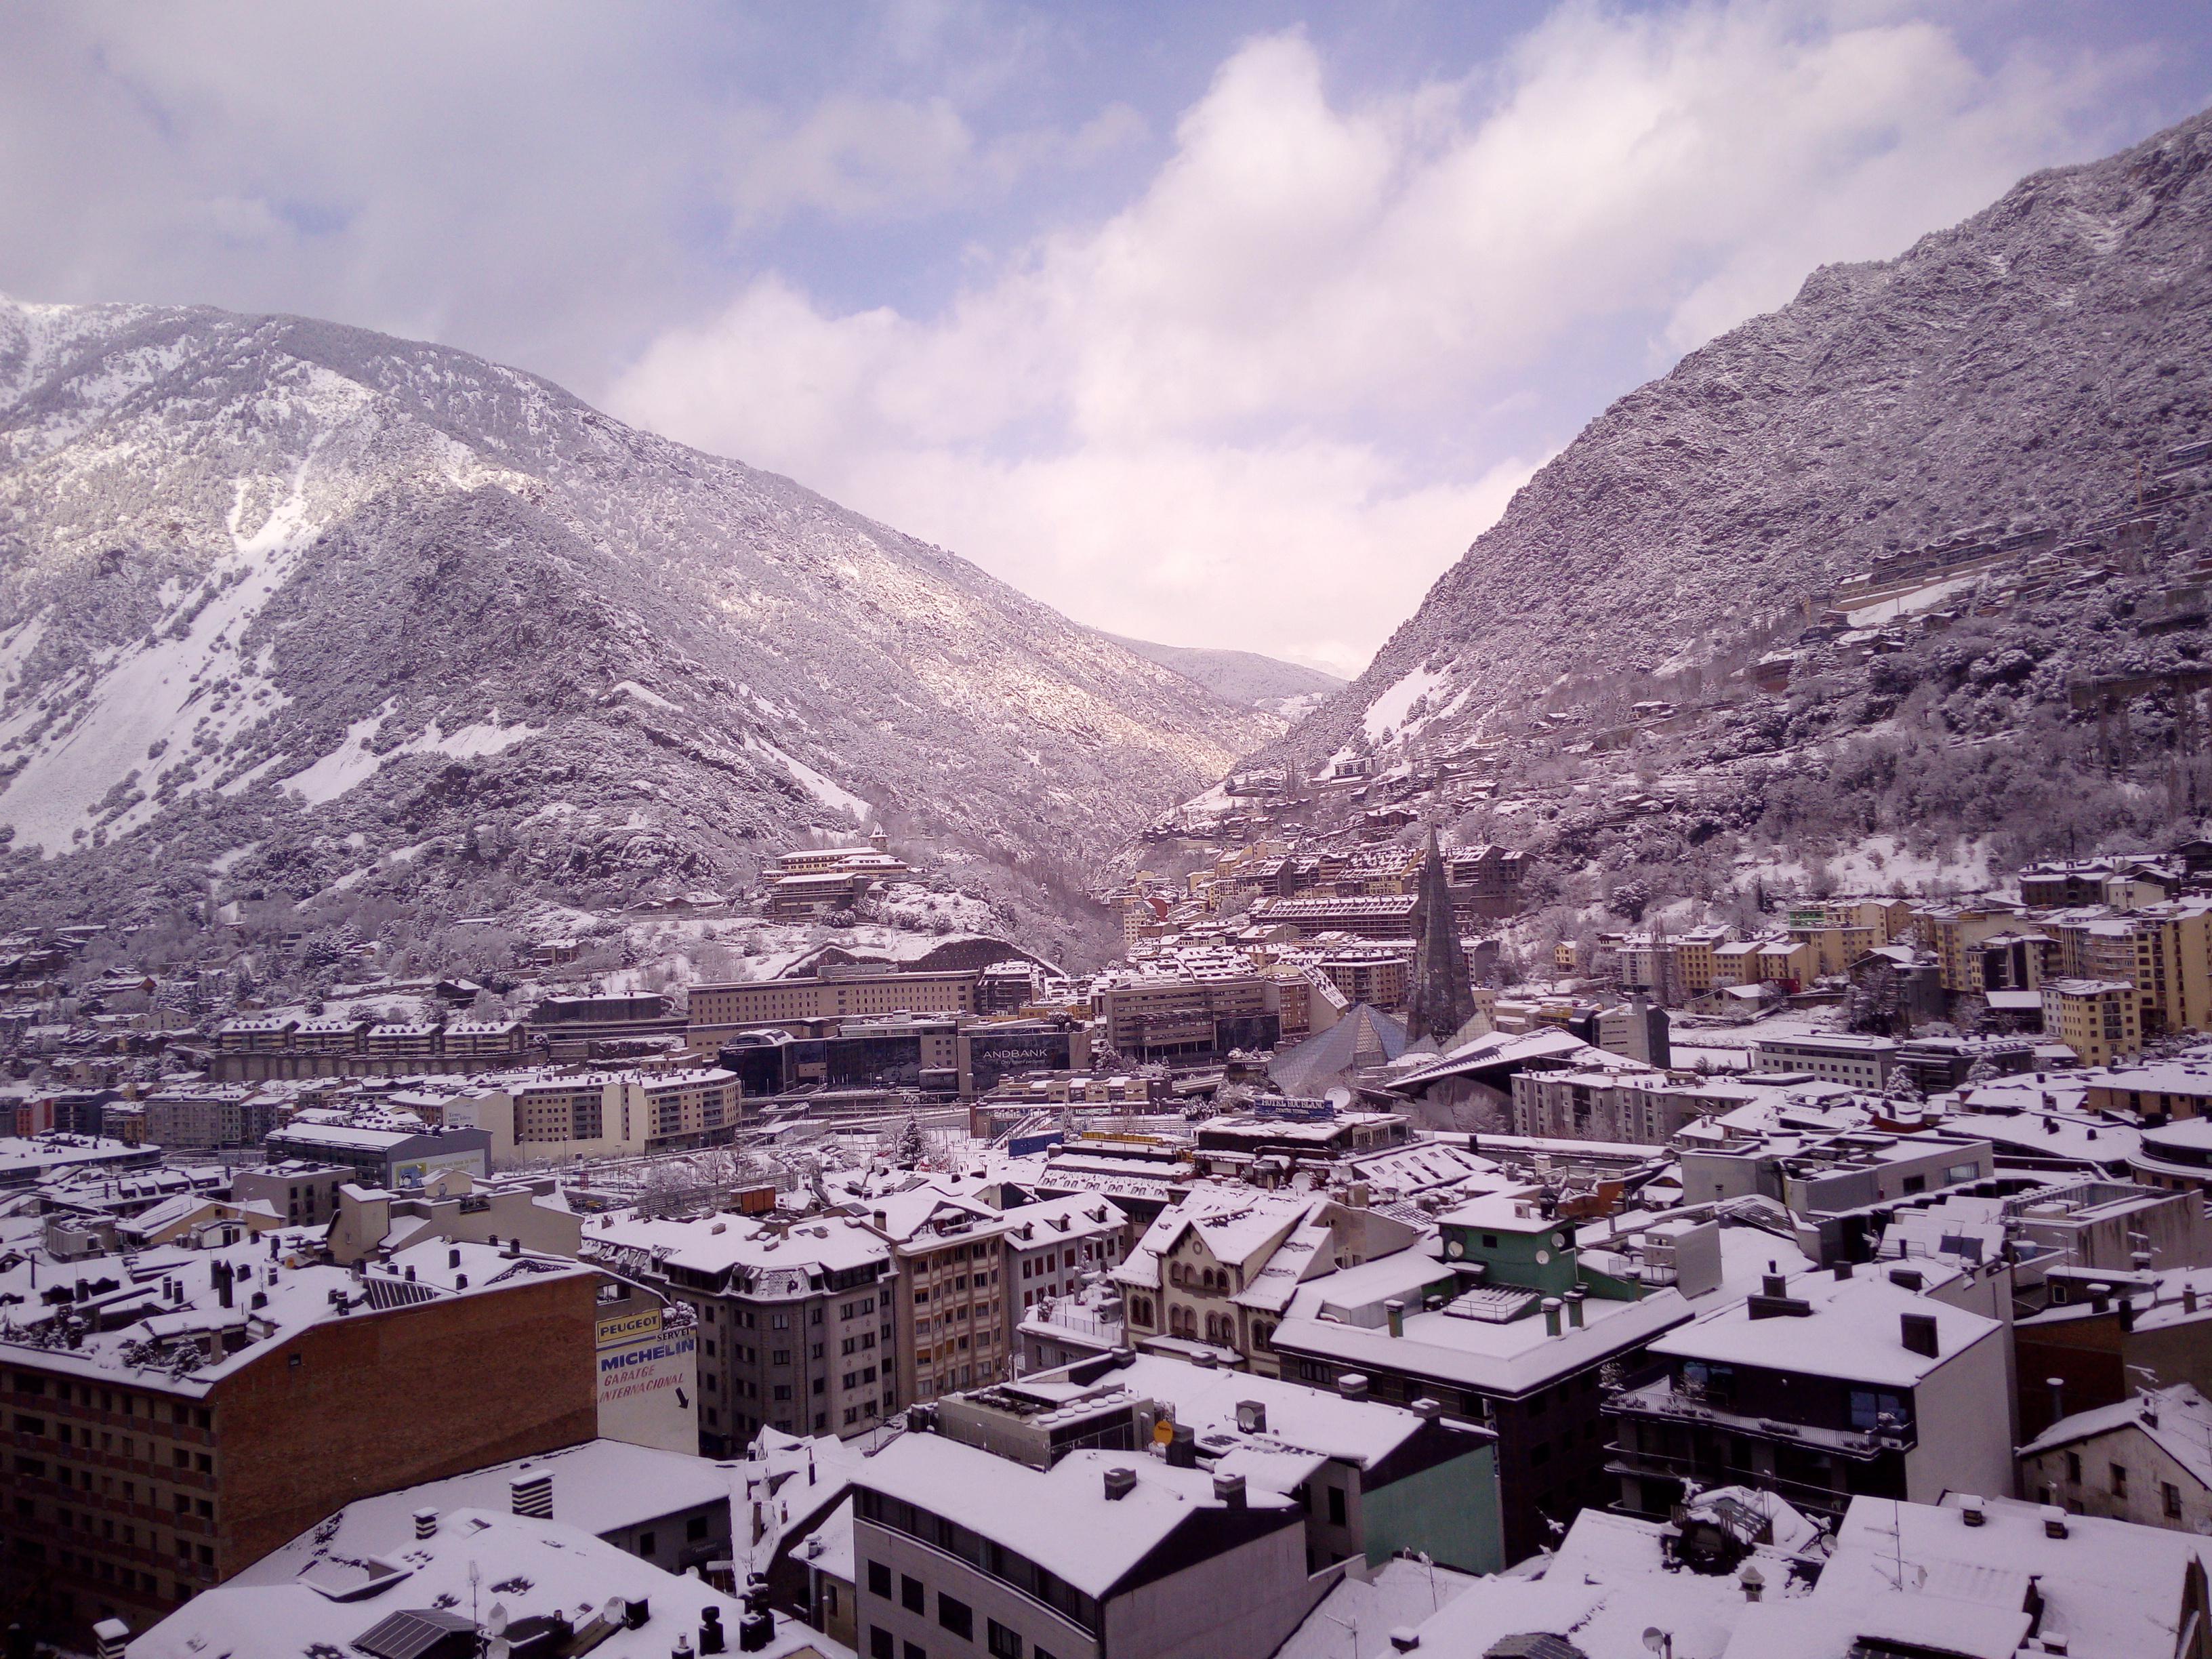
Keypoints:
(2171, 1494)
(915, 1651)
(1004, 1644)
(879, 1643)
(1336, 1506)
(910, 1596)
(879, 1580)
(2119, 1480)
(696, 1528)
(956, 1616)
(645, 1543)
(2073, 1469)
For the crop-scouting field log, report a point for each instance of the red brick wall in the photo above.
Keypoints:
(386, 1399)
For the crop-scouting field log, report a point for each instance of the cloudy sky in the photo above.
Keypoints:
(1221, 323)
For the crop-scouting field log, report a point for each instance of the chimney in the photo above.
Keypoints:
(1774, 1285)
(882, 1221)
(426, 1523)
(2054, 1521)
(2058, 1387)
(531, 1495)
(1918, 1332)
(711, 1637)
(1428, 1409)
(1182, 1447)
(1972, 1510)
(1908, 1278)
(453, 1257)
(1843, 1270)
(1120, 1483)
(1575, 1300)
(1229, 1491)
(1352, 1385)
(1405, 1639)
(460, 1281)
(1551, 1316)
(1395, 1311)
(636, 1612)
(111, 1637)
(2188, 1298)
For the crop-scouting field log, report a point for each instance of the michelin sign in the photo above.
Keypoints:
(648, 1381)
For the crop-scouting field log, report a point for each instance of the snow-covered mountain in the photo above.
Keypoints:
(313, 607)
(1244, 678)
(2031, 367)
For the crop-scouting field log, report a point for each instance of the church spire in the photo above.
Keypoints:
(1441, 1002)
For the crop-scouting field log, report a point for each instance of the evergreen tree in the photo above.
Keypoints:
(1441, 1002)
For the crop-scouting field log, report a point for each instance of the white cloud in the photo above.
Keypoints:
(1258, 405)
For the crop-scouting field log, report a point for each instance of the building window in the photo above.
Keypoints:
(1004, 1644)
(910, 1594)
(1336, 1506)
(879, 1643)
(2073, 1469)
(2119, 1480)
(956, 1616)
(2172, 1495)
(879, 1580)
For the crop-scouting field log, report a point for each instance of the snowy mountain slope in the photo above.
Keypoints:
(2026, 367)
(276, 584)
(1244, 678)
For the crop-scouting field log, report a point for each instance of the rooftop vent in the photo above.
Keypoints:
(1405, 1639)
(1120, 1483)
(426, 1523)
(2054, 1521)
(1972, 1510)
(531, 1495)
(1229, 1491)
(1352, 1385)
(1909, 1278)
(1917, 1333)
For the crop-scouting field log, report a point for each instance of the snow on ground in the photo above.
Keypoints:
(353, 762)
(1921, 599)
(1883, 865)
(632, 689)
(150, 712)
(1388, 712)
(829, 794)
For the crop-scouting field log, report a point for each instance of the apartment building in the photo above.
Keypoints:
(795, 1320)
(2165, 951)
(186, 1410)
(1212, 1277)
(1953, 930)
(1629, 1105)
(1054, 1246)
(1106, 1554)
(1500, 1322)
(1822, 1386)
(956, 1311)
(850, 993)
(2099, 1020)
(1859, 1062)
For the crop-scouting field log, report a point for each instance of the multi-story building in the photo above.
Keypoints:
(1365, 914)
(1146, 1017)
(1054, 1246)
(795, 1321)
(2164, 950)
(183, 1414)
(2146, 1458)
(1105, 1553)
(2099, 1020)
(1820, 1388)
(207, 1117)
(1860, 1062)
(396, 1157)
(1500, 1322)
(1627, 1103)
(1212, 1277)
(849, 992)
(956, 1313)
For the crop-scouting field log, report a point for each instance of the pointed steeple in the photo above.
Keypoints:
(1441, 1002)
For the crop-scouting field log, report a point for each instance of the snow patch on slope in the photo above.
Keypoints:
(822, 789)
(1388, 712)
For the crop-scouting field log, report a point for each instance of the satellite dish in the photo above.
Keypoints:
(616, 1610)
(495, 1620)
(499, 1648)
(1653, 1638)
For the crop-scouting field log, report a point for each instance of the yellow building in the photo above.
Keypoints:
(2099, 1020)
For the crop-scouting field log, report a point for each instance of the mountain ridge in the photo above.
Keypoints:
(294, 598)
